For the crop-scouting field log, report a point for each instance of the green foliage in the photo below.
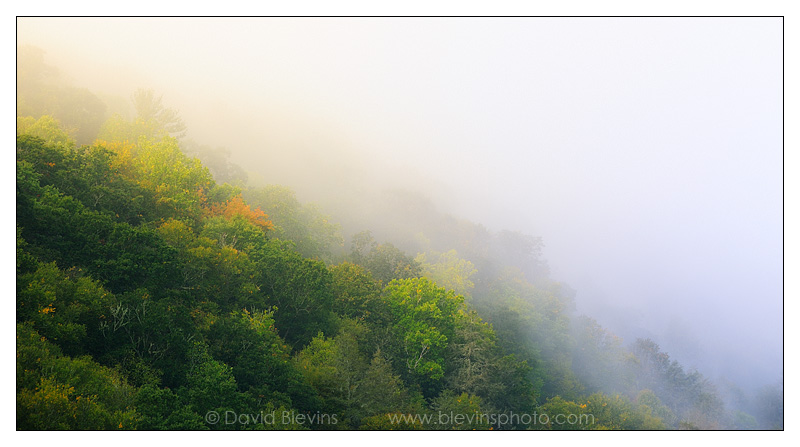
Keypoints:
(60, 228)
(42, 91)
(236, 233)
(210, 385)
(459, 412)
(356, 293)
(177, 181)
(448, 271)
(149, 295)
(47, 128)
(651, 405)
(424, 318)
(65, 307)
(381, 390)
(477, 365)
(560, 414)
(299, 288)
(56, 392)
(533, 323)
(769, 407)
(599, 359)
(249, 343)
(146, 333)
(304, 224)
(690, 396)
(161, 409)
(91, 175)
(385, 261)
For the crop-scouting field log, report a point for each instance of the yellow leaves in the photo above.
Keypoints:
(48, 309)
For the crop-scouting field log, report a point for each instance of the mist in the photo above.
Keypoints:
(645, 152)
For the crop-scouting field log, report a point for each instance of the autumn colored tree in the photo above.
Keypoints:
(236, 206)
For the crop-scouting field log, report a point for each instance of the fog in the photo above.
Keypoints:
(646, 152)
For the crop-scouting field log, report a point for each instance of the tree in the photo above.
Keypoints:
(161, 409)
(385, 261)
(57, 392)
(299, 288)
(691, 397)
(599, 359)
(380, 391)
(447, 270)
(424, 317)
(236, 207)
(769, 406)
(47, 128)
(60, 228)
(356, 293)
(41, 90)
(150, 110)
(210, 385)
(65, 307)
(218, 162)
(459, 412)
(248, 341)
(305, 225)
(334, 366)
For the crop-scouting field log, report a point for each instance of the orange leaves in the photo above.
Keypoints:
(237, 207)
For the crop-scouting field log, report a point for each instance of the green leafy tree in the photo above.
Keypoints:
(599, 359)
(312, 232)
(533, 323)
(211, 386)
(60, 228)
(161, 409)
(356, 293)
(150, 338)
(150, 109)
(381, 391)
(459, 412)
(47, 128)
(65, 307)
(299, 288)
(262, 367)
(424, 317)
(448, 271)
(56, 392)
(560, 414)
(477, 365)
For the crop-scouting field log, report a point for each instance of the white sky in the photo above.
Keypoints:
(647, 152)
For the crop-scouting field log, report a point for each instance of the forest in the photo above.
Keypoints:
(158, 287)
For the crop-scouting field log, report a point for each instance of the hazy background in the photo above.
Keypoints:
(646, 152)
